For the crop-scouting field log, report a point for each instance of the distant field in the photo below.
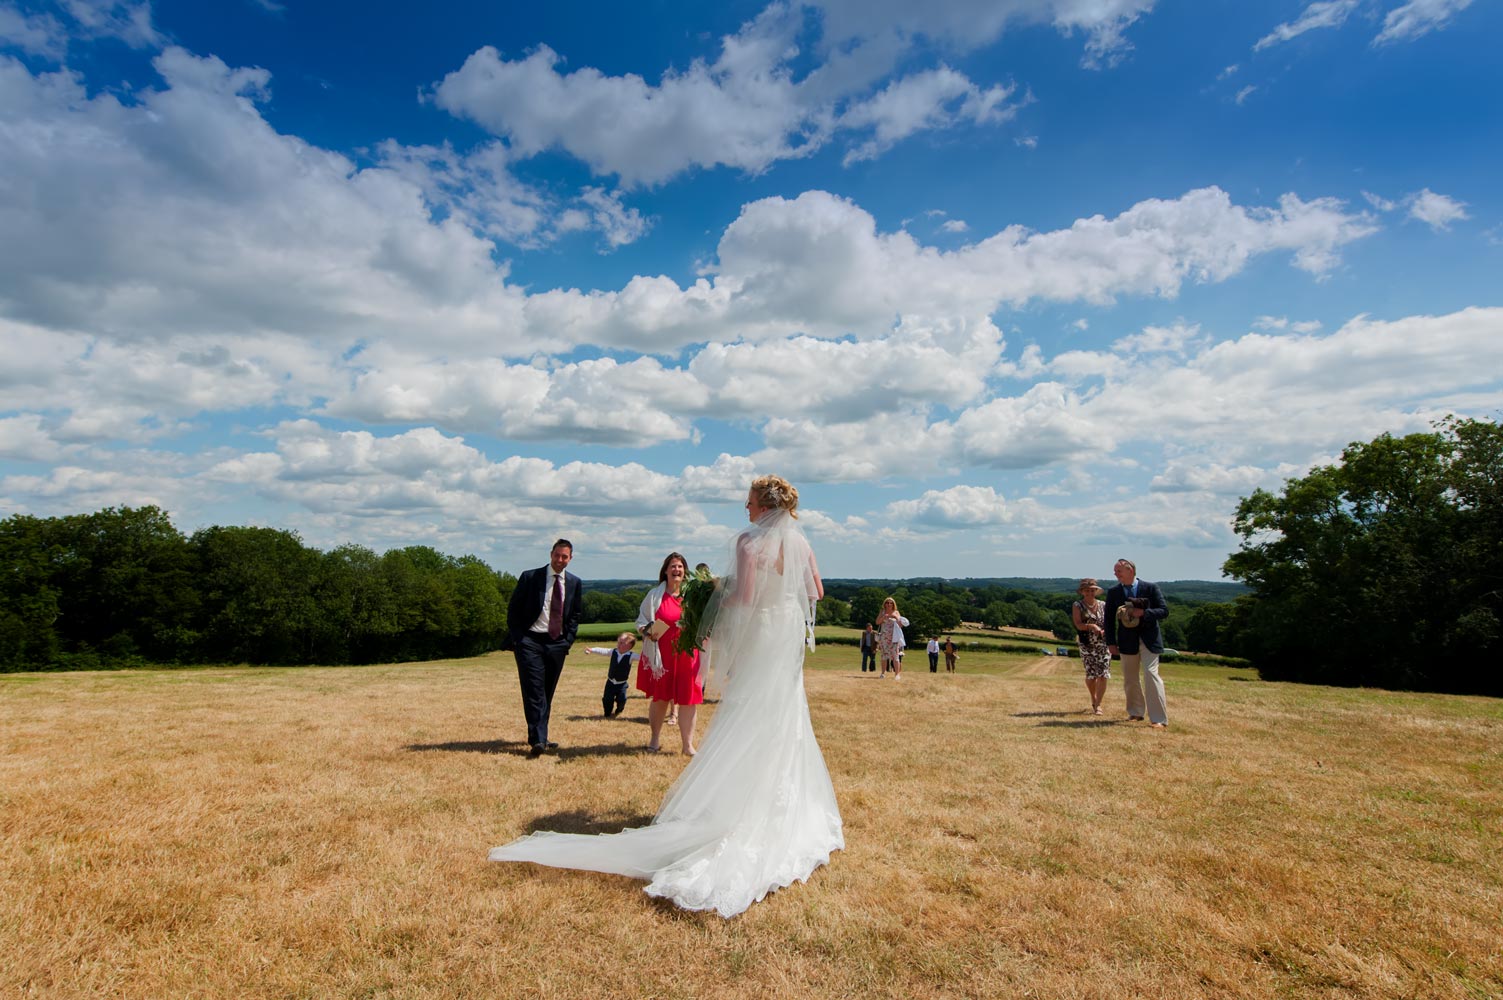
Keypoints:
(321, 832)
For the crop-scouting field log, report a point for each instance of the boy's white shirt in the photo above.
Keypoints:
(608, 650)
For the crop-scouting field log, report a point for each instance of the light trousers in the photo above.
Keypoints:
(1148, 662)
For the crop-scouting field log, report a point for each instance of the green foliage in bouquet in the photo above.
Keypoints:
(695, 596)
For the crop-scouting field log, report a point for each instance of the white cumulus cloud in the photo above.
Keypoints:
(1435, 210)
(956, 507)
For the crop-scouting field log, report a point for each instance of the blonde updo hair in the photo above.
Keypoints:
(774, 492)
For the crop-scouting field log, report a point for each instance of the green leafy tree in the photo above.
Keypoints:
(947, 613)
(1218, 627)
(28, 601)
(597, 606)
(1063, 627)
(1028, 613)
(603, 606)
(126, 584)
(1381, 569)
(358, 610)
(482, 610)
(999, 614)
(259, 605)
(866, 604)
(832, 611)
(1209, 628)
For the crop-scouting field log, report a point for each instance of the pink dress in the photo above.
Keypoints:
(681, 682)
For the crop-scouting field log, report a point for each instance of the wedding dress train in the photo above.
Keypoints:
(754, 810)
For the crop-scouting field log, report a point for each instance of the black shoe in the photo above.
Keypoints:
(550, 745)
(536, 751)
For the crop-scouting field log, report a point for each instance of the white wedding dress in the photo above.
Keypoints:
(754, 810)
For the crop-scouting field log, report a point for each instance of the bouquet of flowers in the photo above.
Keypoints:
(695, 597)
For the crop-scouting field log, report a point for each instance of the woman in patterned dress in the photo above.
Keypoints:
(1090, 633)
(890, 640)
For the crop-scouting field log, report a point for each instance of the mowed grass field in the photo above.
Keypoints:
(253, 832)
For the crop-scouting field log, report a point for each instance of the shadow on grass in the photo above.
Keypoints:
(640, 720)
(579, 821)
(1083, 724)
(471, 746)
(519, 748)
(604, 750)
(1043, 715)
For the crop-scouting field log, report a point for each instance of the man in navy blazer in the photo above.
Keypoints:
(1135, 634)
(541, 621)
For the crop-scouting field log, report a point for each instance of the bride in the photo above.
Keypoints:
(754, 810)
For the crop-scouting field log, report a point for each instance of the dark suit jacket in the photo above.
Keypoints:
(527, 604)
(1127, 640)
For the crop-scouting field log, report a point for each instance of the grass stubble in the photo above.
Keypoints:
(321, 832)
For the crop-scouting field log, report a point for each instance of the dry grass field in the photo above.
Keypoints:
(245, 833)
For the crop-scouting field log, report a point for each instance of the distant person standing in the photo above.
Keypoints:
(869, 649)
(950, 653)
(1134, 609)
(933, 650)
(540, 623)
(890, 640)
(1089, 615)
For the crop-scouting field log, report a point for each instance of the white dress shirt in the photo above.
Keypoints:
(541, 625)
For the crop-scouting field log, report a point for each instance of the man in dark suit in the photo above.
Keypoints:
(541, 621)
(1134, 609)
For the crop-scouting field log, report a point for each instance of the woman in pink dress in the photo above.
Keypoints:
(674, 677)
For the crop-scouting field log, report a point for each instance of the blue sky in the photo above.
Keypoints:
(1006, 288)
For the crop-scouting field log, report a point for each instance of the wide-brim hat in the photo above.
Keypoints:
(1090, 582)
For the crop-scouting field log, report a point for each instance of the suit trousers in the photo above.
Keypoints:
(613, 699)
(868, 660)
(540, 661)
(1146, 661)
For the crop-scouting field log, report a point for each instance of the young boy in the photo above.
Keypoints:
(614, 698)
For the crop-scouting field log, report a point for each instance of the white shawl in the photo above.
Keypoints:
(645, 616)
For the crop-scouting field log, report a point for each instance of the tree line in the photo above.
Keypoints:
(933, 607)
(122, 586)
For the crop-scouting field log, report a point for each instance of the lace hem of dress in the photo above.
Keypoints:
(685, 888)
